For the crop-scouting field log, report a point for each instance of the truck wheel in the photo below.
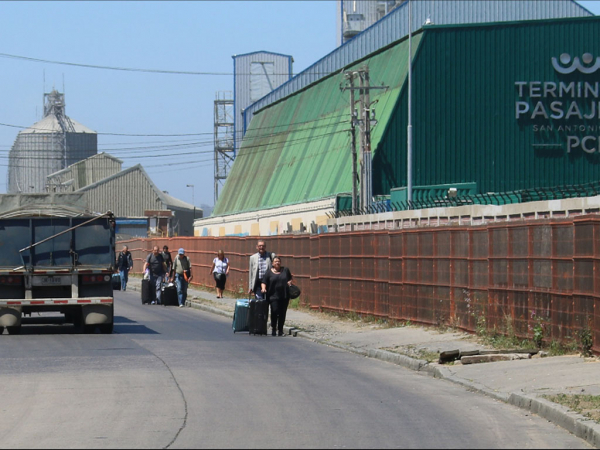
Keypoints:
(13, 330)
(1, 330)
(106, 329)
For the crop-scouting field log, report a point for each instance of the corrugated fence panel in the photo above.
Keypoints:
(503, 277)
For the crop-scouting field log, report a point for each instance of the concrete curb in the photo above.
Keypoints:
(576, 424)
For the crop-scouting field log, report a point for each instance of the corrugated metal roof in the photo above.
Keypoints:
(394, 26)
(102, 155)
(49, 124)
(166, 199)
(298, 150)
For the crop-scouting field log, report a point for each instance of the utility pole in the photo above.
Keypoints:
(409, 145)
(364, 121)
(353, 121)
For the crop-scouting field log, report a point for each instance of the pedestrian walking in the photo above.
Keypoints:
(182, 275)
(168, 261)
(124, 265)
(157, 268)
(275, 286)
(260, 262)
(220, 271)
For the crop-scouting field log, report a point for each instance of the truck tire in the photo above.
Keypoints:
(14, 330)
(1, 330)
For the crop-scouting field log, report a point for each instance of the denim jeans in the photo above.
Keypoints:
(182, 287)
(124, 278)
(157, 281)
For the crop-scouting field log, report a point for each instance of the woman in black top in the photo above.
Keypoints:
(275, 285)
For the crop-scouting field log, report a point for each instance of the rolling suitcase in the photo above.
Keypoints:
(240, 316)
(116, 282)
(258, 316)
(169, 295)
(148, 292)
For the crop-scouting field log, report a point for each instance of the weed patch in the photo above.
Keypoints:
(586, 405)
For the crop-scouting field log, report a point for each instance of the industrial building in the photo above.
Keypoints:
(497, 107)
(355, 16)
(49, 145)
(139, 205)
(254, 76)
(83, 173)
(395, 25)
(366, 26)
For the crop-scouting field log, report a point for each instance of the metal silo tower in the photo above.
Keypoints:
(50, 145)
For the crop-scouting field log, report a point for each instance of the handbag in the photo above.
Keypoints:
(294, 291)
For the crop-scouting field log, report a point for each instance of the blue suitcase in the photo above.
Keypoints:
(240, 316)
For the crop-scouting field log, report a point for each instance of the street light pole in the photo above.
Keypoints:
(193, 200)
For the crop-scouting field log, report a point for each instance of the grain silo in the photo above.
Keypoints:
(50, 145)
(255, 75)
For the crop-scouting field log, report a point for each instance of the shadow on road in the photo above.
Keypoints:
(57, 325)
(133, 329)
(120, 319)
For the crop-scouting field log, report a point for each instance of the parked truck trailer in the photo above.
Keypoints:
(57, 264)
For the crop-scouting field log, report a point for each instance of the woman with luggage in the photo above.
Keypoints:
(276, 285)
(220, 271)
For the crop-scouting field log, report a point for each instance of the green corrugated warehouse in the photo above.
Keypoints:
(506, 106)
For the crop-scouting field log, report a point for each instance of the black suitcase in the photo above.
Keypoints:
(148, 292)
(169, 296)
(258, 316)
(116, 282)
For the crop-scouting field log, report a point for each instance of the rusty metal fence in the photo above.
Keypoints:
(509, 276)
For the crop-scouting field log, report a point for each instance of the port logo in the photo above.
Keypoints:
(566, 65)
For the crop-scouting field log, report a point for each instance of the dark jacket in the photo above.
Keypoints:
(124, 261)
(168, 260)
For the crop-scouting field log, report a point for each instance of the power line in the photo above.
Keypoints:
(136, 69)
(179, 135)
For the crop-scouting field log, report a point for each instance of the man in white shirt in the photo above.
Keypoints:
(260, 262)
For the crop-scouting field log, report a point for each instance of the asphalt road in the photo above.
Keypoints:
(180, 378)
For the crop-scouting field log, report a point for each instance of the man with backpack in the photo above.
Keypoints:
(124, 265)
(182, 275)
(157, 268)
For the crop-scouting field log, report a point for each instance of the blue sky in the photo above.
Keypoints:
(197, 36)
(193, 36)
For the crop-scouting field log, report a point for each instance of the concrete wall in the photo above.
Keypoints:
(307, 217)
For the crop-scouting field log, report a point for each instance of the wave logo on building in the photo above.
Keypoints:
(583, 64)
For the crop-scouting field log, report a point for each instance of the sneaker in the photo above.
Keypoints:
(281, 333)
(181, 306)
(153, 303)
